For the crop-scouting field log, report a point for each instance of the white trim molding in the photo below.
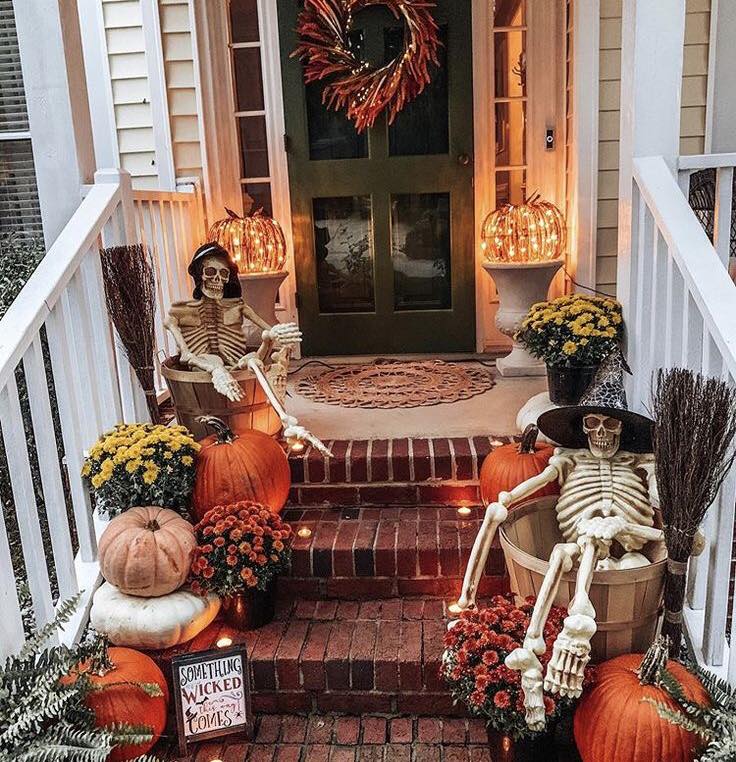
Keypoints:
(720, 117)
(584, 144)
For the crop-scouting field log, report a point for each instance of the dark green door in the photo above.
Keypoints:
(383, 221)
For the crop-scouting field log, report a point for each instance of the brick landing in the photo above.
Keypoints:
(331, 738)
(398, 471)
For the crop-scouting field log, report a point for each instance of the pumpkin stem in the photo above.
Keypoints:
(233, 215)
(654, 661)
(222, 430)
(153, 526)
(528, 442)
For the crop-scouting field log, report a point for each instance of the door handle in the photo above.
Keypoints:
(463, 160)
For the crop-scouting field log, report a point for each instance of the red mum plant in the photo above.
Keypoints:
(473, 663)
(239, 546)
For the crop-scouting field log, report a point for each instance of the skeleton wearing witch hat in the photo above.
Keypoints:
(208, 330)
(607, 495)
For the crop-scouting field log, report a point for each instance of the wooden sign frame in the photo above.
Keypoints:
(206, 657)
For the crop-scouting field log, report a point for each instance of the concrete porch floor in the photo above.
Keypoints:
(493, 412)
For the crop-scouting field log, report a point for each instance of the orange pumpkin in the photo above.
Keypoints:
(147, 551)
(235, 467)
(123, 696)
(510, 465)
(614, 722)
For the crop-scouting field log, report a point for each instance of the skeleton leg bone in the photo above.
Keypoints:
(526, 659)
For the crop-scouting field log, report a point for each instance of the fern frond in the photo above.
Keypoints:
(676, 717)
(41, 637)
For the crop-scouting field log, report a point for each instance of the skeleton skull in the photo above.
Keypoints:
(215, 275)
(604, 434)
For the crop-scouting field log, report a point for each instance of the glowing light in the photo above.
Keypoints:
(224, 642)
(535, 231)
(304, 532)
(297, 447)
(464, 510)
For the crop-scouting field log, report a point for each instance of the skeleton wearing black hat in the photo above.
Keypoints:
(608, 495)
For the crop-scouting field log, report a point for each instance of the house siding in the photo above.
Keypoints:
(130, 90)
(181, 86)
(692, 132)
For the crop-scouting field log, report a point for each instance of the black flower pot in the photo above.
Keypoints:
(567, 385)
(250, 609)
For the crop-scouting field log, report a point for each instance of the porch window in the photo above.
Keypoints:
(510, 101)
(248, 103)
(19, 207)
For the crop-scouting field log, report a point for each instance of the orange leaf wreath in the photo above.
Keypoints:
(362, 89)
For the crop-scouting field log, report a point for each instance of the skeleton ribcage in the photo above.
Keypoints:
(213, 336)
(597, 487)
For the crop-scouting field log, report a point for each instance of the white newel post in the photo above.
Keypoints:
(720, 134)
(58, 109)
(653, 38)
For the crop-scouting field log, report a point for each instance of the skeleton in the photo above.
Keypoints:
(606, 496)
(208, 331)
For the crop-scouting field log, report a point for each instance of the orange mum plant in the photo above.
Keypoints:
(239, 546)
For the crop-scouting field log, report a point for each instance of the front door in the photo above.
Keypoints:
(383, 221)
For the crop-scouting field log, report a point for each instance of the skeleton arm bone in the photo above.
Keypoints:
(495, 515)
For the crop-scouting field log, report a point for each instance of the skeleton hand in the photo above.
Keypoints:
(295, 433)
(246, 359)
(226, 385)
(524, 660)
(283, 334)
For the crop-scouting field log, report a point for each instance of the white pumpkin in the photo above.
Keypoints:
(151, 623)
(538, 404)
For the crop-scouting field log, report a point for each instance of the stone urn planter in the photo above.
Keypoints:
(260, 291)
(519, 286)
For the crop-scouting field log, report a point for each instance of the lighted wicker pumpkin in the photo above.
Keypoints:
(535, 231)
(235, 467)
(510, 465)
(615, 721)
(255, 242)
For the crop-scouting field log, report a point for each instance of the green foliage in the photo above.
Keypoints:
(43, 719)
(19, 257)
(715, 724)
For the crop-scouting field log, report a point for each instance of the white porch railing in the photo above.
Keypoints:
(679, 311)
(172, 225)
(62, 307)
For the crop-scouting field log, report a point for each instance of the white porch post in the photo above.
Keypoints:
(720, 132)
(651, 83)
(58, 109)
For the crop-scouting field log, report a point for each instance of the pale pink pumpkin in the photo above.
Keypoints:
(147, 551)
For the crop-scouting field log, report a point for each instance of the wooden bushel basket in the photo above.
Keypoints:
(627, 601)
(193, 395)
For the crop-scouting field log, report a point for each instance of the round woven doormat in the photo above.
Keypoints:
(395, 384)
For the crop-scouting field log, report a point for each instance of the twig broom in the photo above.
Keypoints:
(694, 428)
(130, 294)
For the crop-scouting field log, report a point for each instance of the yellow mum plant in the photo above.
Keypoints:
(142, 464)
(572, 331)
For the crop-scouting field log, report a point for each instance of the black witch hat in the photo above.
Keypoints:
(233, 289)
(605, 396)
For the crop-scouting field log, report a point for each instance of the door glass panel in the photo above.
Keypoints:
(254, 146)
(510, 133)
(343, 245)
(423, 127)
(510, 57)
(331, 134)
(244, 20)
(420, 251)
(509, 13)
(248, 79)
(260, 196)
(510, 187)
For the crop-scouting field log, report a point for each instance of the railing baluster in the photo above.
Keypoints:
(641, 288)
(71, 411)
(11, 621)
(49, 468)
(24, 499)
(676, 301)
(723, 214)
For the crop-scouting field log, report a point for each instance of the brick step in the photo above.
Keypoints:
(399, 471)
(358, 553)
(338, 738)
(350, 657)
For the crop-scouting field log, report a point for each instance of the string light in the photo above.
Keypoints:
(255, 242)
(224, 642)
(304, 532)
(534, 231)
(464, 510)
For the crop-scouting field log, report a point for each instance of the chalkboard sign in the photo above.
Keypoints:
(212, 695)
